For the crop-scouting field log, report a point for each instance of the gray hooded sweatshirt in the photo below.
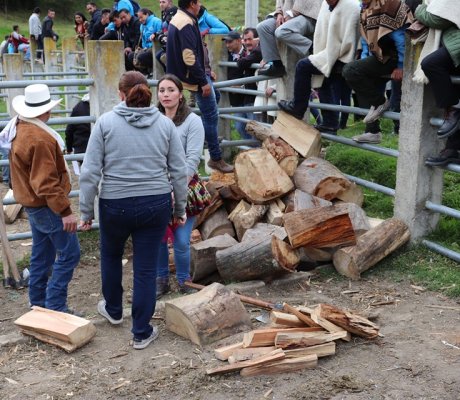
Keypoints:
(133, 152)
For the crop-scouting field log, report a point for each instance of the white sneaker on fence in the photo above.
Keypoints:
(375, 113)
(368, 137)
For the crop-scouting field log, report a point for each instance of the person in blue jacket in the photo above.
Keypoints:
(120, 4)
(208, 23)
(150, 25)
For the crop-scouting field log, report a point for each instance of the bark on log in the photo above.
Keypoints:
(265, 257)
(299, 200)
(203, 255)
(217, 224)
(371, 247)
(304, 138)
(357, 215)
(259, 176)
(260, 131)
(319, 227)
(320, 178)
(284, 154)
(208, 315)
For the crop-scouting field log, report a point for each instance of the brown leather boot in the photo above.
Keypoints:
(220, 165)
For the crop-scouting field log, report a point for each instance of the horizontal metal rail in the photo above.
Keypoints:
(243, 91)
(442, 250)
(34, 74)
(64, 92)
(49, 82)
(28, 235)
(152, 82)
(233, 64)
(352, 110)
(371, 185)
(241, 81)
(439, 208)
(241, 142)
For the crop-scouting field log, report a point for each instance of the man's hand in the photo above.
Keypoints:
(152, 37)
(279, 20)
(205, 32)
(128, 50)
(269, 91)
(69, 223)
(85, 225)
(397, 74)
(206, 90)
(213, 76)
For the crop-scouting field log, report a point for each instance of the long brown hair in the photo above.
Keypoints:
(183, 110)
(136, 89)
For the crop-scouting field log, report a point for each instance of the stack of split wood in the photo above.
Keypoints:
(299, 337)
(273, 213)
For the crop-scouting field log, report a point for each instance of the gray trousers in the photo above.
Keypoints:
(297, 33)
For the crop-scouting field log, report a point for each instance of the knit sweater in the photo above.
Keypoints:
(133, 152)
(308, 8)
(191, 134)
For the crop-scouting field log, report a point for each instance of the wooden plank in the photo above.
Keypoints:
(286, 365)
(321, 350)
(304, 339)
(266, 337)
(304, 318)
(245, 354)
(222, 353)
(329, 326)
(286, 319)
(11, 211)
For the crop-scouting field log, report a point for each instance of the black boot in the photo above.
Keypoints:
(162, 287)
(451, 123)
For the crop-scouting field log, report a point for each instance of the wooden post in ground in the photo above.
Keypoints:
(12, 66)
(415, 182)
(51, 58)
(69, 46)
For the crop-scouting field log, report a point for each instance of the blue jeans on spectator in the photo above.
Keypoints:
(210, 118)
(49, 240)
(145, 219)
(181, 253)
(5, 168)
(240, 126)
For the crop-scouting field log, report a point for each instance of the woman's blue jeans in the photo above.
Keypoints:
(181, 253)
(145, 219)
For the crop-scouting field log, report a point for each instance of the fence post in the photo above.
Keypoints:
(415, 182)
(13, 67)
(68, 62)
(251, 12)
(49, 48)
(105, 65)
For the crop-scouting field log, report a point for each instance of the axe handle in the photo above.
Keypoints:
(7, 254)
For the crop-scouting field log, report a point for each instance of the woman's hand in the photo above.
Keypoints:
(180, 221)
(85, 225)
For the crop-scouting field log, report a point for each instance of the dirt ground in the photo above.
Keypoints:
(418, 357)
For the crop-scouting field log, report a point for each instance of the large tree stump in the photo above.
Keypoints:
(217, 224)
(371, 247)
(284, 154)
(203, 255)
(265, 257)
(320, 178)
(260, 177)
(211, 314)
(304, 138)
(298, 200)
(319, 227)
(261, 229)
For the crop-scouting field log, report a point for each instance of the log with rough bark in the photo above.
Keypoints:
(211, 314)
(320, 178)
(352, 323)
(217, 224)
(259, 176)
(11, 211)
(285, 340)
(284, 365)
(284, 154)
(286, 319)
(371, 247)
(298, 200)
(260, 131)
(318, 255)
(261, 229)
(60, 329)
(357, 215)
(304, 138)
(203, 255)
(265, 257)
(319, 227)
(249, 353)
(314, 314)
(321, 350)
(266, 337)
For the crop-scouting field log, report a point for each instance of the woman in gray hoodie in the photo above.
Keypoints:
(135, 155)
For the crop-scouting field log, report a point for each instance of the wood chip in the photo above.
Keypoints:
(12, 381)
(268, 393)
(122, 354)
(382, 303)
(445, 308)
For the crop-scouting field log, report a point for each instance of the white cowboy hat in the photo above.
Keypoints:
(36, 101)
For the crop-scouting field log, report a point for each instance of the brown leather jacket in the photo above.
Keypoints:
(38, 173)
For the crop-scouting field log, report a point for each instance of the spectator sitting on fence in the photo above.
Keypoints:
(293, 24)
(77, 135)
(35, 31)
(131, 36)
(210, 24)
(80, 27)
(4, 45)
(440, 59)
(114, 30)
(168, 10)
(335, 40)
(98, 29)
(383, 24)
(150, 25)
(19, 43)
(47, 26)
(96, 16)
(244, 56)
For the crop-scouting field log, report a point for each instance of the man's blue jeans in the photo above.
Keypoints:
(181, 253)
(49, 240)
(210, 118)
(145, 219)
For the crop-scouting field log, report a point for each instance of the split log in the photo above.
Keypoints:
(208, 315)
(259, 176)
(354, 194)
(284, 365)
(203, 255)
(274, 214)
(321, 350)
(371, 247)
(260, 131)
(304, 318)
(373, 222)
(225, 185)
(265, 257)
(304, 339)
(249, 353)
(357, 215)
(11, 211)
(324, 323)
(222, 353)
(275, 355)
(301, 136)
(60, 329)
(284, 154)
(235, 217)
(320, 178)
(299, 200)
(286, 319)
(353, 323)
(319, 227)
(261, 229)
(217, 224)
(266, 337)
(245, 216)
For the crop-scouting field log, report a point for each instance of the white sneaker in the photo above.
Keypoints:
(143, 343)
(368, 137)
(101, 310)
(375, 113)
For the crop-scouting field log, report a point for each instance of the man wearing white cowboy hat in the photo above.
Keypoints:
(41, 183)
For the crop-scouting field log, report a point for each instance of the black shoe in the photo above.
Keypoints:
(271, 70)
(288, 106)
(184, 289)
(326, 129)
(451, 123)
(445, 157)
(162, 287)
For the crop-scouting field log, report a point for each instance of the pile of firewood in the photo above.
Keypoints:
(301, 335)
(276, 211)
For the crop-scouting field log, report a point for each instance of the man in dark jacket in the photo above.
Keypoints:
(132, 34)
(77, 135)
(47, 26)
(99, 27)
(95, 17)
(185, 59)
